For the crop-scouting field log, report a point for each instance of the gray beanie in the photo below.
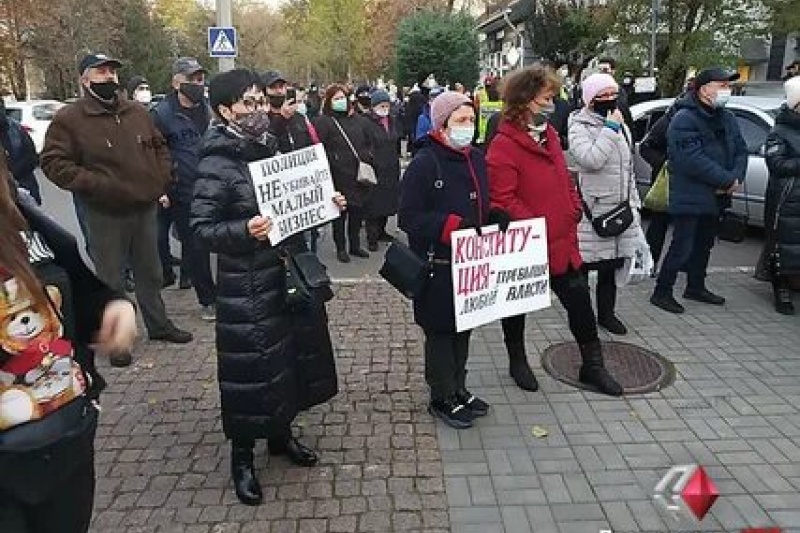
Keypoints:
(444, 105)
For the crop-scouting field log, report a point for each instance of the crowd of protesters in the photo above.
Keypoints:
(492, 157)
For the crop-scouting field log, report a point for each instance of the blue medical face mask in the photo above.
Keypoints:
(339, 106)
(461, 136)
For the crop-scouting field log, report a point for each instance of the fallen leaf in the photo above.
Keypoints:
(539, 432)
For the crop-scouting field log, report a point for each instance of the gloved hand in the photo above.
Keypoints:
(499, 217)
(469, 222)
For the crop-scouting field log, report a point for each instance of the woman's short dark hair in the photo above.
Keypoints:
(521, 87)
(227, 88)
(330, 92)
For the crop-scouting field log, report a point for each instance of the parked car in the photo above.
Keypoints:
(756, 116)
(35, 117)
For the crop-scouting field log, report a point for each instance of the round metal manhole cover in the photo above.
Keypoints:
(637, 369)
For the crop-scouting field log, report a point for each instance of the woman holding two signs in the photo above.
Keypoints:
(273, 361)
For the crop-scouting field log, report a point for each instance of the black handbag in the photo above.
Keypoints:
(611, 224)
(405, 270)
(732, 227)
(307, 280)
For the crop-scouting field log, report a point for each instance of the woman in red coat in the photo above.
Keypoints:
(528, 178)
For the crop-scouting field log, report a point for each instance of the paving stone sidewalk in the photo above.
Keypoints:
(162, 463)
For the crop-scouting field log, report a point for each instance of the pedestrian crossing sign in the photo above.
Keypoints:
(222, 41)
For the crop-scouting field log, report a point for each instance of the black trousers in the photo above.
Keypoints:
(277, 437)
(572, 290)
(656, 234)
(68, 511)
(376, 227)
(446, 357)
(353, 217)
(196, 258)
(165, 221)
(693, 238)
(606, 289)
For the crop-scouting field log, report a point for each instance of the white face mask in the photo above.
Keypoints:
(722, 98)
(382, 112)
(143, 96)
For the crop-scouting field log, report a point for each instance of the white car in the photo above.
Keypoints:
(35, 117)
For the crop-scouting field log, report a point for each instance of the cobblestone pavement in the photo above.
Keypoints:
(162, 461)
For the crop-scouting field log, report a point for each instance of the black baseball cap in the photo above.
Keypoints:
(186, 66)
(97, 60)
(271, 77)
(715, 74)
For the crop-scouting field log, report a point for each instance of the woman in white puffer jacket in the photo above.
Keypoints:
(600, 146)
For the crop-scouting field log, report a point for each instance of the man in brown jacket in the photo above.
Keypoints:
(107, 150)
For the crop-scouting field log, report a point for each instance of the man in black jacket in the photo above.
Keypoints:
(653, 149)
(183, 118)
(292, 129)
(20, 152)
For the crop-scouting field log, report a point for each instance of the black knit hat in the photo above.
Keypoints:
(134, 82)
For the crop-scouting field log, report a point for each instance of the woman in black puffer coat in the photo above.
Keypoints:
(272, 363)
(782, 207)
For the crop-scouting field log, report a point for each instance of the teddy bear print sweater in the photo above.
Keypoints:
(38, 370)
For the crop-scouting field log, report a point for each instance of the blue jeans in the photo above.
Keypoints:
(692, 240)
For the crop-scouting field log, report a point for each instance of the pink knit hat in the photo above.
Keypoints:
(444, 105)
(596, 83)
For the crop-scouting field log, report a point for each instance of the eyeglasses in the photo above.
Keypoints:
(252, 103)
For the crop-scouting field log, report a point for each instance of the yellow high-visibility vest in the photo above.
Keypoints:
(487, 109)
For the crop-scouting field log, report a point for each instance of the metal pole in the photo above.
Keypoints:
(653, 35)
(224, 18)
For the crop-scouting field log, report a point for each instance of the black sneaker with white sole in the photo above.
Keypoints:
(452, 412)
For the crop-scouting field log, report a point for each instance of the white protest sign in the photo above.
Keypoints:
(499, 274)
(295, 190)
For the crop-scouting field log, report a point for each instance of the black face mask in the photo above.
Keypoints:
(106, 91)
(604, 107)
(276, 101)
(194, 92)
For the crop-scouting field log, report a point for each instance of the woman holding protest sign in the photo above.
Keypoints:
(273, 359)
(445, 189)
(345, 135)
(528, 178)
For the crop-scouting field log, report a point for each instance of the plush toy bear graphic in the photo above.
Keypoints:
(37, 375)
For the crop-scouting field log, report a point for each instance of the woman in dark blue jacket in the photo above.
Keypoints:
(444, 189)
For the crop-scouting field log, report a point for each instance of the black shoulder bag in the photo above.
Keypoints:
(307, 280)
(615, 222)
(403, 268)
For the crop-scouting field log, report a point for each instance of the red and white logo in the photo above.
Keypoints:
(687, 491)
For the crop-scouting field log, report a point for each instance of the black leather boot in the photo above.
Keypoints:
(245, 482)
(593, 371)
(519, 368)
(297, 452)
